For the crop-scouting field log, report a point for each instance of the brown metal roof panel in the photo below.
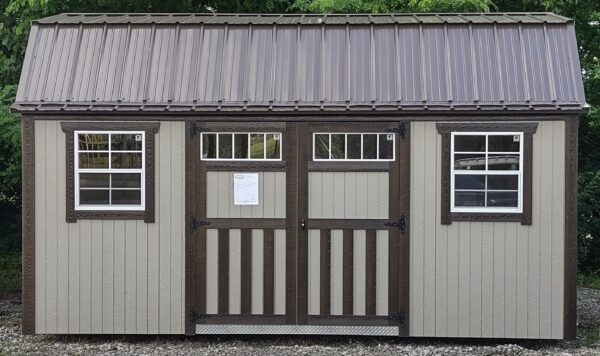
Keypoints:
(511, 64)
(285, 77)
(335, 82)
(486, 65)
(310, 66)
(561, 63)
(536, 63)
(461, 65)
(434, 63)
(410, 64)
(384, 57)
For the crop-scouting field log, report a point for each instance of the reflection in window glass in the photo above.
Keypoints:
(100, 155)
(321, 146)
(354, 146)
(369, 146)
(338, 146)
(241, 146)
(93, 142)
(225, 145)
(257, 146)
(126, 142)
(477, 161)
(209, 145)
(273, 146)
(386, 146)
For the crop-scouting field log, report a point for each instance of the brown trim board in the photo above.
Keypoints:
(28, 225)
(148, 215)
(528, 129)
(570, 267)
(190, 234)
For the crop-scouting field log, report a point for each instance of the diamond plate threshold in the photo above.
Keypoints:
(298, 330)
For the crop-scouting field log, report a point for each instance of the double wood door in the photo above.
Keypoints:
(300, 224)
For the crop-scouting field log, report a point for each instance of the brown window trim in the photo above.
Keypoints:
(528, 129)
(150, 128)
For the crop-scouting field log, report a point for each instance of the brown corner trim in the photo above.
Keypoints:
(28, 225)
(445, 129)
(148, 215)
(189, 243)
(570, 272)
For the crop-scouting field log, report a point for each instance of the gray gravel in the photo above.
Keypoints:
(12, 342)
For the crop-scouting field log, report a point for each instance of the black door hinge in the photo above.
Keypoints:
(400, 224)
(195, 223)
(400, 130)
(399, 317)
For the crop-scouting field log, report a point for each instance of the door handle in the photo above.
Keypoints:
(303, 224)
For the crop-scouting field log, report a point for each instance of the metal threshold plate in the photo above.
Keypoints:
(297, 330)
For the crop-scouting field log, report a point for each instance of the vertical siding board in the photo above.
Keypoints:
(119, 277)
(175, 237)
(96, 277)
(534, 248)
(382, 272)
(85, 281)
(372, 196)
(487, 279)
(452, 295)
(62, 238)
(280, 271)
(141, 276)
(429, 262)
(464, 267)
(280, 196)
(154, 268)
(40, 227)
(235, 271)
(314, 271)
(499, 278)
(130, 277)
(510, 281)
(212, 271)
(258, 241)
(417, 225)
(558, 210)
(359, 272)
(51, 230)
(212, 179)
(164, 233)
(350, 194)
(107, 277)
(475, 282)
(339, 201)
(547, 186)
(327, 194)
(440, 250)
(269, 196)
(522, 280)
(74, 277)
(337, 272)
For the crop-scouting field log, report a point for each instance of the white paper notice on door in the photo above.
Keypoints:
(245, 189)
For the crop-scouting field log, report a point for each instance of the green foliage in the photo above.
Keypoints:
(381, 6)
(588, 281)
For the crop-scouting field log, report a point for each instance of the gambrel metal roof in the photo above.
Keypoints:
(299, 63)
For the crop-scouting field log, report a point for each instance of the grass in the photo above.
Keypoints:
(589, 281)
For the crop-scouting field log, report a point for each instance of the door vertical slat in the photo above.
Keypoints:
(371, 272)
(348, 286)
(223, 261)
(268, 271)
(324, 288)
(246, 272)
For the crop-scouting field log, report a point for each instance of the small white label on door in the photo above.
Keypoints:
(245, 189)
(390, 137)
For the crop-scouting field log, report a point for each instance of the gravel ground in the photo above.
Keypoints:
(12, 342)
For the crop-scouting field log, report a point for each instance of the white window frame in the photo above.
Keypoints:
(486, 172)
(109, 170)
(346, 159)
(233, 133)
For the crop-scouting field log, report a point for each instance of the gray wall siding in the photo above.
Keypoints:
(108, 276)
(220, 203)
(473, 279)
(348, 195)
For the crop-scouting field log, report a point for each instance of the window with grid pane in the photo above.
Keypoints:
(109, 170)
(487, 172)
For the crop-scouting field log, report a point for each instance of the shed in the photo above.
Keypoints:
(399, 174)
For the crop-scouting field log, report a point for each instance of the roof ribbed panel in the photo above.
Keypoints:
(263, 63)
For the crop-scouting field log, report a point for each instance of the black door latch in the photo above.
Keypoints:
(195, 223)
(400, 224)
